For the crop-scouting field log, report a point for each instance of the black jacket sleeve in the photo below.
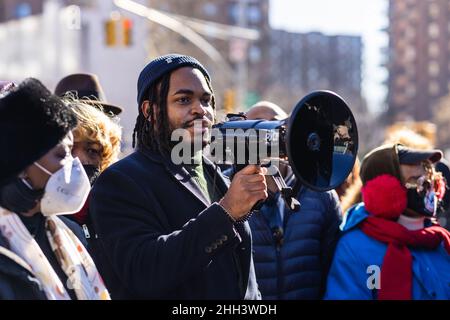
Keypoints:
(149, 260)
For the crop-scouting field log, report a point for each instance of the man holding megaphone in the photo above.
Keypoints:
(170, 226)
(174, 230)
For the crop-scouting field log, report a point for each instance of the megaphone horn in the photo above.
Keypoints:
(320, 140)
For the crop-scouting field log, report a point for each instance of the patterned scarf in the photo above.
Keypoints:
(70, 253)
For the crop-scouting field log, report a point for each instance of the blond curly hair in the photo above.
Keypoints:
(413, 134)
(94, 126)
(409, 138)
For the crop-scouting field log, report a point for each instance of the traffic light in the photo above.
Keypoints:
(111, 32)
(118, 31)
(229, 100)
(127, 29)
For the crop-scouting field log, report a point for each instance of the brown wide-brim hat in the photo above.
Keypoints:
(86, 87)
(5, 86)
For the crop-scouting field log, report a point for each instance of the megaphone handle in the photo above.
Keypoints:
(286, 192)
(257, 206)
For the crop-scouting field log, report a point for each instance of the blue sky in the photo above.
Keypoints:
(354, 17)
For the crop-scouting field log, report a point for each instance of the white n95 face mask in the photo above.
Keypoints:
(67, 189)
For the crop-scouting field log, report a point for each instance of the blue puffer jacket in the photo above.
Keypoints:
(297, 267)
(357, 256)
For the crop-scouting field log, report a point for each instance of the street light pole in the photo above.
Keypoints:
(242, 68)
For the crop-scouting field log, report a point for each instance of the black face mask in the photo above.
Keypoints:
(92, 172)
(444, 204)
(422, 202)
(18, 197)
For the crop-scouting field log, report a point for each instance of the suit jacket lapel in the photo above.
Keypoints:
(180, 174)
(186, 180)
(221, 182)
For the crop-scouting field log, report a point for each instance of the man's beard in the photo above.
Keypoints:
(198, 142)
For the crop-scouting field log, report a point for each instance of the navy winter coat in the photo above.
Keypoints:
(296, 266)
(161, 238)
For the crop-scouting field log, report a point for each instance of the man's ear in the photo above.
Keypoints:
(145, 108)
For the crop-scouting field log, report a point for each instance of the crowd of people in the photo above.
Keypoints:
(78, 223)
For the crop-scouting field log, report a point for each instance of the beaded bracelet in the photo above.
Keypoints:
(237, 221)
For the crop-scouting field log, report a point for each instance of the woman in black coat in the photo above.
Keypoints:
(42, 256)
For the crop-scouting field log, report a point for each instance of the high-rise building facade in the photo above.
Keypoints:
(280, 65)
(313, 61)
(304, 62)
(14, 9)
(418, 57)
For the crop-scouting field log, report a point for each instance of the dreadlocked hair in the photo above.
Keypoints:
(155, 135)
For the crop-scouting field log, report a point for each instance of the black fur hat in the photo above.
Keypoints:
(32, 122)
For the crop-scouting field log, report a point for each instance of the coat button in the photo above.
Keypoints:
(214, 246)
(224, 238)
(208, 249)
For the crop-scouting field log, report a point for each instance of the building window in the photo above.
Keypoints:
(433, 50)
(254, 14)
(410, 90)
(414, 14)
(401, 6)
(401, 44)
(433, 10)
(433, 88)
(410, 53)
(165, 7)
(210, 9)
(400, 99)
(401, 81)
(410, 33)
(233, 13)
(433, 30)
(433, 69)
(255, 54)
(410, 71)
